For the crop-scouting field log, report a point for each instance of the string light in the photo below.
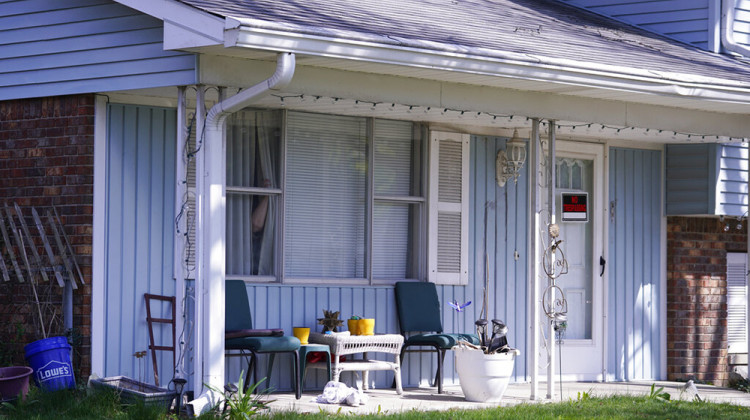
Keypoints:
(492, 117)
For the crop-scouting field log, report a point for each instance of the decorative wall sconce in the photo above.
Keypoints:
(510, 161)
(729, 225)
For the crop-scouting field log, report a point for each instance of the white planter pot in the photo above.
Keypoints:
(483, 377)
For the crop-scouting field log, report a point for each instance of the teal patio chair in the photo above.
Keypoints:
(240, 335)
(418, 310)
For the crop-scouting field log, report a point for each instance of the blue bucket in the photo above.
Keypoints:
(50, 359)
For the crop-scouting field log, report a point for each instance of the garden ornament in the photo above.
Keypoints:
(330, 321)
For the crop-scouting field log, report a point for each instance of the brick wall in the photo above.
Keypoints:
(47, 159)
(697, 297)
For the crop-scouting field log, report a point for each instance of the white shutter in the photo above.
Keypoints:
(449, 208)
(737, 302)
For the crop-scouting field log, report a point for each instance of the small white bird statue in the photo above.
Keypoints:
(691, 389)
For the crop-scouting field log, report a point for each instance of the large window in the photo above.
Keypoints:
(350, 192)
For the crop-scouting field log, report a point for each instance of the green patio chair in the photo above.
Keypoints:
(240, 335)
(418, 310)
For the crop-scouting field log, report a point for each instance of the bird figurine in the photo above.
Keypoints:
(691, 389)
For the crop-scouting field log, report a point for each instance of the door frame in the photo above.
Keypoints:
(598, 153)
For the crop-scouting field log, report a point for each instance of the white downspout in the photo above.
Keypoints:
(211, 292)
(727, 29)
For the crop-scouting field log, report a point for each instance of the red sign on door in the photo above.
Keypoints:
(575, 207)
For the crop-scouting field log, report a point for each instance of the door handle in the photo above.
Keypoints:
(603, 263)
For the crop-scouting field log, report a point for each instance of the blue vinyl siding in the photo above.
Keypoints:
(286, 306)
(707, 179)
(50, 47)
(731, 185)
(691, 179)
(742, 22)
(139, 236)
(684, 20)
(634, 264)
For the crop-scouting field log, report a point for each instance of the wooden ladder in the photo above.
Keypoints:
(150, 321)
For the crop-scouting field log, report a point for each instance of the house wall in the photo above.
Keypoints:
(139, 237)
(284, 306)
(691, 178)
(634, 320)
(697, 297)
(46, 159)
(731, 182)
(707, 179)
(684, 20)
(50, 47)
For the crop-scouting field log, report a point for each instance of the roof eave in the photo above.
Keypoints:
(248, 33)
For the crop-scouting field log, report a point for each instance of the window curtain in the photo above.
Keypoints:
(251, 162)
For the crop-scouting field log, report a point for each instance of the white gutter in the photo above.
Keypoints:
(321, 42)
(727, 30)
(210, 286)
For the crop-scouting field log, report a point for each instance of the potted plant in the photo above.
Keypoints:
(484, 371)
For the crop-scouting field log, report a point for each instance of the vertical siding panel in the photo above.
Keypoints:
(635, 265)
(140, 173)
(114, 235)
(656, 260)
(127, 316)
(620, 278)
(347, 306)
(638, 226)
(142, 185)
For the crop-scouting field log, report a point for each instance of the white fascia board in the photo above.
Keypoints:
(248, 33)
(230, 71)
(184, 26)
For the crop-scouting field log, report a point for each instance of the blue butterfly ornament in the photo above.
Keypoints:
(457, 307)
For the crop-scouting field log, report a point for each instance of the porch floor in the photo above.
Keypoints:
(426, 399)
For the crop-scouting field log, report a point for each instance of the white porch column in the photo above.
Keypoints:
(200, 216)
(551, 344)
(535, 260)
(210, 287)
(180, 232)
(215, 256)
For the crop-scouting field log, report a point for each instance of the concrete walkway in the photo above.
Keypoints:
(387, 401)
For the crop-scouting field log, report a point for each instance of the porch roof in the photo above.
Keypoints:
(533, 58)
(541, 32)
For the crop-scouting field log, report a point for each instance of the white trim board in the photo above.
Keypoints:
(98, 270)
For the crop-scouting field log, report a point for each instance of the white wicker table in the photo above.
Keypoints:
(345, 344)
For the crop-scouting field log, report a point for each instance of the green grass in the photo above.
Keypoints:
(64, 405)
(615, 407)
(76, 404)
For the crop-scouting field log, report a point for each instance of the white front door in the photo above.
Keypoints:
(580, 170)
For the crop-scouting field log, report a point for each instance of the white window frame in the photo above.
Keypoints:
(371, 199)
(436, 207)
